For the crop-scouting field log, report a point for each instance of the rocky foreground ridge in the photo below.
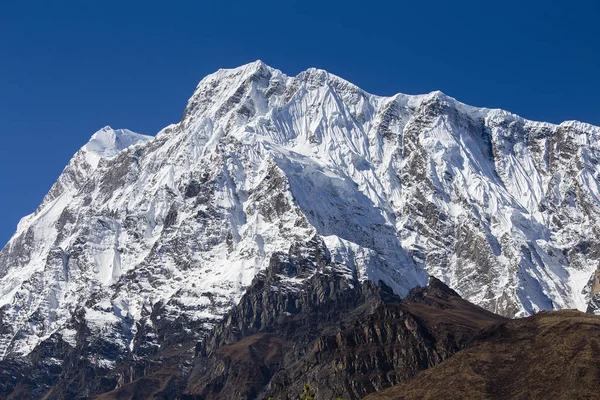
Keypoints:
(346, 338)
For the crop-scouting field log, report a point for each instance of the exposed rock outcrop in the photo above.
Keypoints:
(343, 337)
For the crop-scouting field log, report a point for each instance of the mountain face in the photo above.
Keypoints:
(146, 243)
(344, 338)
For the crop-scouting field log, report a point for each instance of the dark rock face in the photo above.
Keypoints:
(343, 337)
(277, 322)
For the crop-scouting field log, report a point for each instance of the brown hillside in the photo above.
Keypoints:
(552, 355)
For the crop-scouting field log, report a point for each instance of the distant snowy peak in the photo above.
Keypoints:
(108, 142)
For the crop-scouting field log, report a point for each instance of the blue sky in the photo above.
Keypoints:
(68, 68)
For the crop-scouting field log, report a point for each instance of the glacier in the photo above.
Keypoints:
(174, 227)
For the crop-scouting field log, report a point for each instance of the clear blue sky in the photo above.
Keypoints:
(68, 68)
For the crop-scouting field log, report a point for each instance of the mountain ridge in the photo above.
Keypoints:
(398, 188)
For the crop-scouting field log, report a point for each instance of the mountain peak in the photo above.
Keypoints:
(437, 286)
(398, 188)
(108, 142)
(246, 68)
(438, 94)
(242, 72)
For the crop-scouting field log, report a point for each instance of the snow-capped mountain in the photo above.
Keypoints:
(173, 228)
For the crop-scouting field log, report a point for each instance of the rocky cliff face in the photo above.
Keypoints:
(278, 322)
(145, 243)
(343, 337)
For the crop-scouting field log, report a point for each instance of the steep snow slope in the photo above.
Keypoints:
(503, 209)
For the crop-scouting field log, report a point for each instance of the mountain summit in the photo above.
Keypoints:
(142, 234)
(108, 143)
